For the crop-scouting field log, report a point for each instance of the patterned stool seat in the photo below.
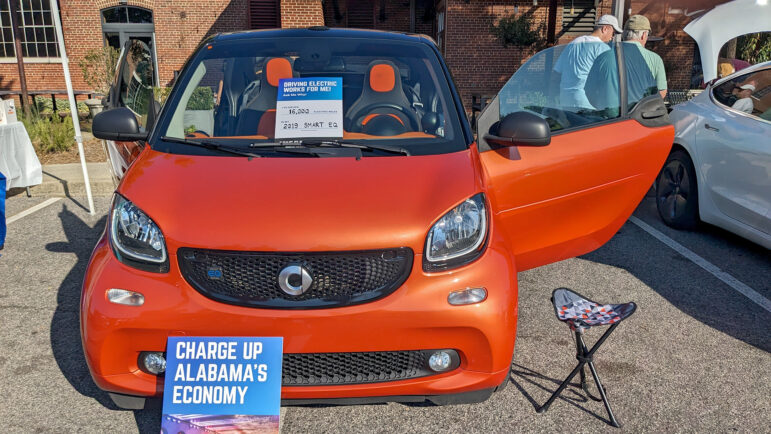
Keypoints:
(582, 313)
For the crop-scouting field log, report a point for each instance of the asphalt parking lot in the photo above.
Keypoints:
(695, 357)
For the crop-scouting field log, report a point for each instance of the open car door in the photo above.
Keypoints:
(133, 89)
(609, 137)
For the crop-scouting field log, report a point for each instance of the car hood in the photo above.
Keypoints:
(723, 23)
(298, 204)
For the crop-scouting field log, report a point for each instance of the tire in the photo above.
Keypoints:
(677, 198)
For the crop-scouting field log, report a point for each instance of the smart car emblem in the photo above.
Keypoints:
(294, 279)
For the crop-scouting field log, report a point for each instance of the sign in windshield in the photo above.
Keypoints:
(309, 107)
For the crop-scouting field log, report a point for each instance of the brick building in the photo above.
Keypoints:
(479, 62)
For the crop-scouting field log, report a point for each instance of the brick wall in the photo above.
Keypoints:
(478, 61)
(301, 13)
(179, 27)
(480, 64)
(677, 48)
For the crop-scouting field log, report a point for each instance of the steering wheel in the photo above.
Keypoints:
(411, 116)
(197, 134)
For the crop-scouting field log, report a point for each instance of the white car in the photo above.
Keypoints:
(719, 170)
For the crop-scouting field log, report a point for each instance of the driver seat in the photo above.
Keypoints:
(381, 97)
(259, 115)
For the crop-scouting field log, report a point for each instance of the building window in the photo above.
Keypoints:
(123, 23)
(361, 14)
(578, 17)
(127, 14)
(264, 14)
(37, 32)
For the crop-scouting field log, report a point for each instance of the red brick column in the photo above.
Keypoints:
(301, 13)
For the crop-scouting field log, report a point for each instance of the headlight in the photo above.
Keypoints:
(458, 237)
(137, 241)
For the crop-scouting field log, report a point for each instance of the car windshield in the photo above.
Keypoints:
(354, 90)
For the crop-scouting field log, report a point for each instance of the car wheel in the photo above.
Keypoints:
(676, 195)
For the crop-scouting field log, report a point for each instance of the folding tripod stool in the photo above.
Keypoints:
(580, 314)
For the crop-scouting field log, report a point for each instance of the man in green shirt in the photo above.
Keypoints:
(636, 34)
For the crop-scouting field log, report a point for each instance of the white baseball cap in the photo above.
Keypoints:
(609, 20)
(747, 86)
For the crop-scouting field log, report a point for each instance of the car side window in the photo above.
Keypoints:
(749, 93)
(136, 84)
(569, 86)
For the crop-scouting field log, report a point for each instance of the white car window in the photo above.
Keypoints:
(748, 93)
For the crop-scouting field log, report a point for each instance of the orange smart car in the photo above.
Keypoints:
(384, 248)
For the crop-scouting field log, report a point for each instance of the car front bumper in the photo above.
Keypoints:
(416, 316)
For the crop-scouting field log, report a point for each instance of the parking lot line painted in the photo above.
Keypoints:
(29, 211)
(703, 263)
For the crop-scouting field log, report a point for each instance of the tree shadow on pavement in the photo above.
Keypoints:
(65, 326)
(682, 284)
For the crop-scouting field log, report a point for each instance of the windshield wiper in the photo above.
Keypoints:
(211, 146)
(301, 147)
(342, 144)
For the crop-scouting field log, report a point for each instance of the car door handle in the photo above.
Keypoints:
(711, 128)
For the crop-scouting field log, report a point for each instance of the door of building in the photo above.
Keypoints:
(122, 24)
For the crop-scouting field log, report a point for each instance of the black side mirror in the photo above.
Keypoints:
(117, 124)
(520, 129)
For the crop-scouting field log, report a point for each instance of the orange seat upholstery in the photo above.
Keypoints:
(383, 108)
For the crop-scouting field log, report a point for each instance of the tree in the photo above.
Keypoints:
(754, 47)
(98, 67)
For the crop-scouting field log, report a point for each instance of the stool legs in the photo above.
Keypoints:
(602, 394)
(559, 390)
(585, 358)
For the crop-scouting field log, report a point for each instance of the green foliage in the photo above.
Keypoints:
(513, 30)
(50, 135)
(98, 67)
(45, 106)
(754, 48)
(161, 93)
(201, 99)
(190, 129)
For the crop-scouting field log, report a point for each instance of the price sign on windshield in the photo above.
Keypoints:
(309, 107)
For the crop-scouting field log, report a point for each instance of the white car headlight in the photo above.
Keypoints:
(136, 239)
(458, 236)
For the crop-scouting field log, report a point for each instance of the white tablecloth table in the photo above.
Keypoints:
(18, 161)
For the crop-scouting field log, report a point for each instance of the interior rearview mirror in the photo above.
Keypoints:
(152, 114)
(117, 124)
(430, 122)
(519, 129)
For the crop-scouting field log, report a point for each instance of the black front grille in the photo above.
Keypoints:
(339, 278)
(317, 369)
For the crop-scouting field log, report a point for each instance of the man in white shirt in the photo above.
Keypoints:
(577, 59)
(744, 103)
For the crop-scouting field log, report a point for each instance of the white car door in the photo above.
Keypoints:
(735, 149)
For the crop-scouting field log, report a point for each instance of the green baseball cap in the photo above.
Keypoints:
(639, 22)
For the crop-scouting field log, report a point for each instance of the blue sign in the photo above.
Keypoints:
(310, 89)
(309, 107)
(224, 377)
